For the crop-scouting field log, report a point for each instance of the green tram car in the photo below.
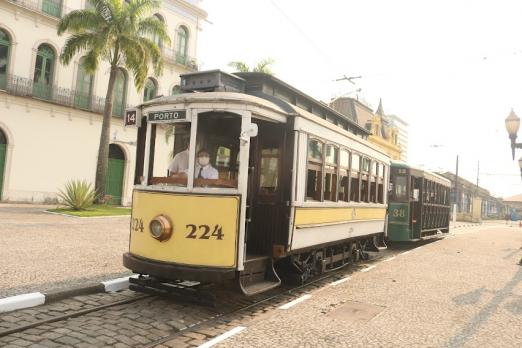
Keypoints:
(418, 205)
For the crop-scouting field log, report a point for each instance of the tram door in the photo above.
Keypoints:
(416, 206)
(266, 202)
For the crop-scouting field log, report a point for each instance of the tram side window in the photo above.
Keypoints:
(330, 180)
(344, 171)
(380, 186)
(355, 176)
(365, 179)
(314, 170)
(217, 148)
(373, 182)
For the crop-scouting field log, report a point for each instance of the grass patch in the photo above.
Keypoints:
(95, 210)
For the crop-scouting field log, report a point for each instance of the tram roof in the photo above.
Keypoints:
(421, 172)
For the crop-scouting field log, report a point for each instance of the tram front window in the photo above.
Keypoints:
(217, 149)
(400, 188)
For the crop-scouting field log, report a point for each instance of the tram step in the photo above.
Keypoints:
(258, 276)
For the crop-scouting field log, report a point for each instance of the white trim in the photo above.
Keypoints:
(340, 281)
(117, 284)
(21, 301)
(222, 337)
(369, 268)
(294, 302)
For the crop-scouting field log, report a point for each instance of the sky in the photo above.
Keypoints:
(451, 69)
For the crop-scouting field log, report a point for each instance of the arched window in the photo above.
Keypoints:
(43, 72)
(83, 94)
(181, 50)
(120, 93)
(155, 38)
(5, 45)
(175, 90)
(150, 90)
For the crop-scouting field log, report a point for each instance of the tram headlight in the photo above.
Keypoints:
(160, 228)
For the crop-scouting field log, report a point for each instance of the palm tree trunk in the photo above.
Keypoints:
(103, 150)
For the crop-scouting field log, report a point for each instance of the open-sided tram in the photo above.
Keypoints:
(271, 176)
(419, 203)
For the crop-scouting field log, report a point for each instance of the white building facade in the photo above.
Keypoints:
(402, 138)
(51, 114)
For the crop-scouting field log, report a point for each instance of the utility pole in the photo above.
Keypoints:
(455, 204)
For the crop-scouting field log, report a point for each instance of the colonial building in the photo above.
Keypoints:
(402, 139)
(383, 132)
(50, 114)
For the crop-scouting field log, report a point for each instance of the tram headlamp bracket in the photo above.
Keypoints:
(160, 228)
(249, 133)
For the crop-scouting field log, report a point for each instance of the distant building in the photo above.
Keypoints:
(383, 132)
(402, 127)
(468, 195)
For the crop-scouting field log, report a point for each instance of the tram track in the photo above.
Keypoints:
(147, 308)
(70, 315)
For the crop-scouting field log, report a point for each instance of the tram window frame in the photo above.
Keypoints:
(330, 173)
(317, 166)
(355, 177)
(343, 192)
(374, 165)
(365, 179)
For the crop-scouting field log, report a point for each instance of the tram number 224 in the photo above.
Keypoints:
(194, 231)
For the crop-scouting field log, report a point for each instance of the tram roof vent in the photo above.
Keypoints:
(212, 81)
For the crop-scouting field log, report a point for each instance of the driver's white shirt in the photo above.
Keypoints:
(207, 172)
(179, 163)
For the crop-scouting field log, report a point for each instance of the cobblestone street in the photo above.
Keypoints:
(463, 291)
(43, 252)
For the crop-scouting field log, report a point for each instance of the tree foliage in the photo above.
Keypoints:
(123, 34)
(263, 66)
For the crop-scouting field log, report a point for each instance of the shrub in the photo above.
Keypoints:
(78, 195)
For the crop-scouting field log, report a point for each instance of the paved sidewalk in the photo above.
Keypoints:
(41, 252)
(462, 291)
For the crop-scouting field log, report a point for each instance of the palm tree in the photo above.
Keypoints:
(263, 66)
(121, 33)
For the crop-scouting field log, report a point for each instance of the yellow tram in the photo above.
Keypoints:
(261, 175)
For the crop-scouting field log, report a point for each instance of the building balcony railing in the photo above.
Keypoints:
(24, 87)
(53, 8)
(173, 56)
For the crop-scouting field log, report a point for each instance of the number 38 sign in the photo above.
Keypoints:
(132, 117)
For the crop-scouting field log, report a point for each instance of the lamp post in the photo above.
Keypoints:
(512, 127)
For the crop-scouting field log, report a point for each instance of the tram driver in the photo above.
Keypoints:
(205, 170)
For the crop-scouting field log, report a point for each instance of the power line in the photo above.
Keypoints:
(301, 31)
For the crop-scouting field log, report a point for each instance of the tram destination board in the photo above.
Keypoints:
(167, 116)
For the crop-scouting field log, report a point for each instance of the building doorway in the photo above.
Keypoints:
(115, 171)
(3, 152)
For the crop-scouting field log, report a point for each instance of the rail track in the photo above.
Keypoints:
(195, 317)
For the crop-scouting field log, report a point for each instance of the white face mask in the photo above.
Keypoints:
(203, 160)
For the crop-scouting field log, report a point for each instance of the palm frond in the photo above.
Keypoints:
(153, 27)
(239, 66)
(80, 20)
(264, 66)
(78, 43)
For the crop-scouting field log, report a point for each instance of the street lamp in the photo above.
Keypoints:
(512, 126)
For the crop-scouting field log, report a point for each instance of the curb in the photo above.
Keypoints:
(85, 217)
(33, 299)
